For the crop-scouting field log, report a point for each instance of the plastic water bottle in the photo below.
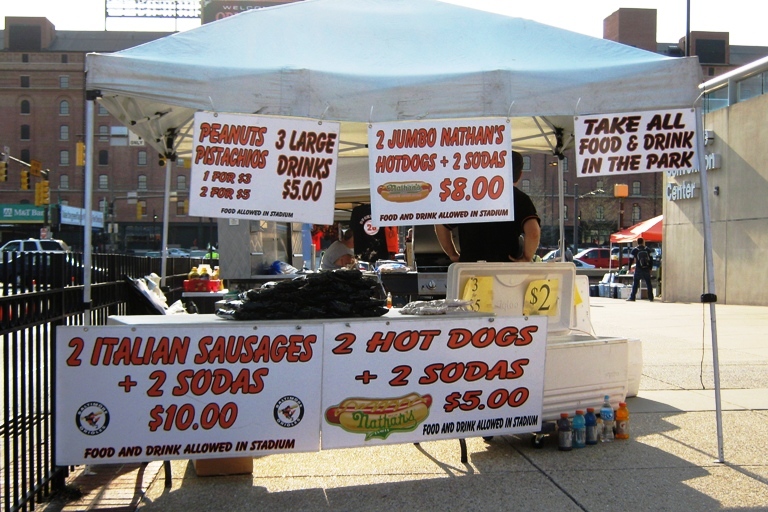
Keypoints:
(564, 433)
(622, 421)
(389, 300)
(606, 414)
(590, 421)
(579, 430)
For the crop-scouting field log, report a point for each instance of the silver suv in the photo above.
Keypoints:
(35, 245)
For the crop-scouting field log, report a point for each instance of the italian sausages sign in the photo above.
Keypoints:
(616, 144)
(263, 168)
(434, 172)
(174, 392)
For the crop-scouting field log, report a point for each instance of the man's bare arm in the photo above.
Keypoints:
(445, 239)
(532, 232)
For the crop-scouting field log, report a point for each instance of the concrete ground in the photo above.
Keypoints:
(670, 462)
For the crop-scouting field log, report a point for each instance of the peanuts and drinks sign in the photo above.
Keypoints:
(621, 144)
(263, 168)
(435, 172)
(164, 392)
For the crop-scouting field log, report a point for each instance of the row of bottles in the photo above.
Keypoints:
(203, 272)
(587, 429)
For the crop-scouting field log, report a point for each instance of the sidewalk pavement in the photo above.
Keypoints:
(670, 463)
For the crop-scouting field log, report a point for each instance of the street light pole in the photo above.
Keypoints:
(620, 191)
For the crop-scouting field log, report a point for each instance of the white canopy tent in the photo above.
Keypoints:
(361, 61)
(358, 61)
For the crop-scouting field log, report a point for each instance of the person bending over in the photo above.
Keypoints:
(340, 254)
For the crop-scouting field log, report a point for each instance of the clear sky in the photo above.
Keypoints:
(739, 17)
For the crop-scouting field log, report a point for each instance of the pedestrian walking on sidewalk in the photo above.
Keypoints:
(643, 260)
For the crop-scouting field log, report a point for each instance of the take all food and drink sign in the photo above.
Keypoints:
(635, 142)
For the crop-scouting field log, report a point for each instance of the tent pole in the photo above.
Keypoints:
(709, 296)
(166, 203)
(561, 207)
(87, 204)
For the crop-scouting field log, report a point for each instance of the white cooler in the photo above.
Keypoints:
(580, 368)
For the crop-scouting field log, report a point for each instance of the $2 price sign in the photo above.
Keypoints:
(541, 297)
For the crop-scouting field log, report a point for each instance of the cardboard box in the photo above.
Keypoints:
(224, 466)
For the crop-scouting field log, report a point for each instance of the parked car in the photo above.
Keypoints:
(175, 252)
(626, 253)
(41, 269)
(550, 257)
(600, 257)
(35, 245)
(553, 255)
(581, 264)
(204, 253)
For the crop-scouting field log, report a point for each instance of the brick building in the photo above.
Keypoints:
(42, 107)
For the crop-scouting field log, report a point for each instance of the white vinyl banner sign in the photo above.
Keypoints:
(420, 379)
(147, 393)
(433, 172)
(629, 143)
(263, 168)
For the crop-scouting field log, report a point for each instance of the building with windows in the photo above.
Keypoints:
(42, 107)
(735, 113)
(592, 212)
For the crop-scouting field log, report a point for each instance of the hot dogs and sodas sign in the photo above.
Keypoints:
(393, 382)
(435, 172)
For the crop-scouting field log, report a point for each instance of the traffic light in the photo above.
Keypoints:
(80, 154)
(24, 179)
(45, 192)
(3, 170)
(139, 211)
(37, 194)
(186, 206)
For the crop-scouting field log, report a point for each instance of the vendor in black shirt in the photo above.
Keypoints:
(505, 241)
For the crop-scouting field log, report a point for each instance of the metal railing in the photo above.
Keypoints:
(41, 291)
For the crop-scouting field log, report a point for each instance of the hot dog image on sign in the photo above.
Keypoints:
(449, 171)
(379, 417)
(404, 191)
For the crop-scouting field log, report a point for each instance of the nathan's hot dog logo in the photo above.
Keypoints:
(379, 417)
(404, 191)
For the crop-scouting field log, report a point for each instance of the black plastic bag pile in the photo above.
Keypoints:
(337, 294)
